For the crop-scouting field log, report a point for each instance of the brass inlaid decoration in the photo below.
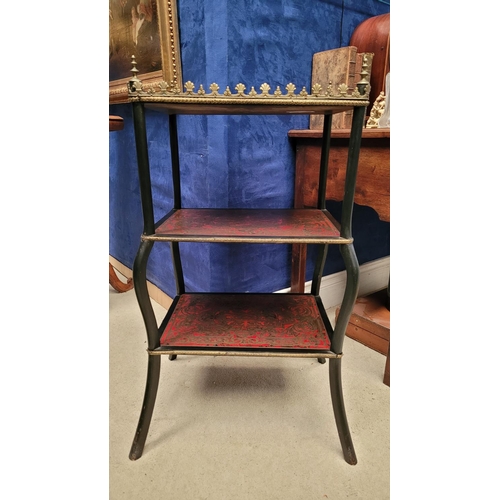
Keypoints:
(318, 95)
(255, 354)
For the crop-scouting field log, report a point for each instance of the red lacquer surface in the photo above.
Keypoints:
(246, 321)
(301, 223)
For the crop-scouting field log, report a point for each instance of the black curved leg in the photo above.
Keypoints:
(148, 405)
(153, 374)
(339, 411)
(322, 361)
(350, 294)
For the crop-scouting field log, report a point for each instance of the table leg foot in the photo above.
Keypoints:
(339, 411)
(153, 378)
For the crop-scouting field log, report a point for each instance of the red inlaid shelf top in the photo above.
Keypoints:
(273, 321)
(249, 225)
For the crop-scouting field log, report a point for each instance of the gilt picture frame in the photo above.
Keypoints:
(148, 30)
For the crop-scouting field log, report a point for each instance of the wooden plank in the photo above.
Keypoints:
(370, 322)
(367, 338)
(371, 313)
(367, 133)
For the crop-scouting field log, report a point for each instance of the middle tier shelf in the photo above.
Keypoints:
(248, 226)
(246, 324)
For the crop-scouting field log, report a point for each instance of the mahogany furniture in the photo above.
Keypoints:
(372, 189)
(116, 123)
(246, 324)
(372, 185)
(374, 35)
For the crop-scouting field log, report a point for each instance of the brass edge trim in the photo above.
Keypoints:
(266, 354)
(217, 239)
(256, 101)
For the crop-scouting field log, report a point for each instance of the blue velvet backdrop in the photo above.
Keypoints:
(235, 161)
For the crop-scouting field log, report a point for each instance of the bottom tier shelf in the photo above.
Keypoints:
(294, 325)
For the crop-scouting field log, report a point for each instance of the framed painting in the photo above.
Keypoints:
(148, 30)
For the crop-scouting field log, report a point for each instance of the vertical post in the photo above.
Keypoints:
(140, 266)
(148, 405)
(323, 176)
(142, 294)
(176, 261)
(153, 374)
(174, 154)
(318, 269)
(352, 171)
(176, 182)
(143, 164)
(325, 154)
(351, 292)
(337, 395)
(352, 286)
(347, 251)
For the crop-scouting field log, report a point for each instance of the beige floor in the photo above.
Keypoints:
(241, 428)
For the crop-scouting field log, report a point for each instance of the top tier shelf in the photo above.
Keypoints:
(169, 98)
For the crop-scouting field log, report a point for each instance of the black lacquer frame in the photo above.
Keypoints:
(336, 335)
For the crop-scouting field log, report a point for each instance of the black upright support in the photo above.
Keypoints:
(176, 182)
(347, 251)
(154, 362)
(318, 269)
(142, 294)
(323, 177)
(351, 290)
(325, 155)
(143, 164)
(140, 283)
(178, 274)
(352, 171)
(335, 374)
(174, 155)
(152, 381)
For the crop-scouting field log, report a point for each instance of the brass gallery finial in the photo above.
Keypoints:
(134, 85)
(134, 69)
(161, 89)
(362, 84)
